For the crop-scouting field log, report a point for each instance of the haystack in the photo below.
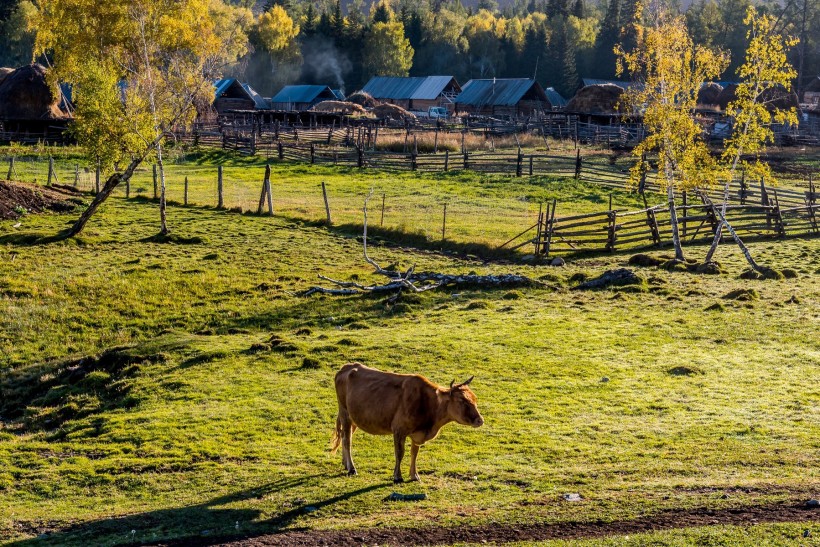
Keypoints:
(363, 98)
(26, 95)
(727, 95)
(341, 107)
(598, 100)
(392, 112)
(5, 71)
(708, 94)
(773, 98)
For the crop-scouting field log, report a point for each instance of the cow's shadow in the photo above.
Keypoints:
(203, 524)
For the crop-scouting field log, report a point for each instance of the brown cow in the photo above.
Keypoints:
(402, 405)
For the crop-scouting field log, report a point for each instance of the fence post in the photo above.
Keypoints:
(610, 243)
(360, 157)
(76, 175)
(466, 158)
(578, 164)
(446, 160)
(685, 213)
(644, 169)
(382, 221)
(519, 164)
(531, 164)
(185, 195)
(266, 192)
(97, 179)
(327, 205)
(155, 180)
(11, 168)
(220, 203)
(128, 188)
(50, 170)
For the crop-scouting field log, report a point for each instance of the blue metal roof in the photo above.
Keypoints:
(222, 86)
(499, 91)
(398, 88)
(302, 93)
(555, 98)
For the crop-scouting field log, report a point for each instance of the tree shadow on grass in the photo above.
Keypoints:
(208, 523)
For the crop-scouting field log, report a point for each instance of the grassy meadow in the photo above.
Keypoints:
(159, 390)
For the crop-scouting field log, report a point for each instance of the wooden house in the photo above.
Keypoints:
(298, 98)
(414, 93)
(503, 97)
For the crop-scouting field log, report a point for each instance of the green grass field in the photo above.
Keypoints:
(181, 420)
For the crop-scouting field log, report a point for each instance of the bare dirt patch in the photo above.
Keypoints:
(20, 198)
(794, 511)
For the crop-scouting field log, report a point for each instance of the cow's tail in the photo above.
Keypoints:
(336, 440)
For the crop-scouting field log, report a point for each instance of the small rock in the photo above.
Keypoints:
(396, 496)
(604, 380)
(572, 497)
(813, 503)
(807, 533)
(557, 261)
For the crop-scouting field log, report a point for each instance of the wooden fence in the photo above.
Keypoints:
(755, 210)
(616, 230)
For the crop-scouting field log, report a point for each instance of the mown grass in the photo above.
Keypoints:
(195, 422)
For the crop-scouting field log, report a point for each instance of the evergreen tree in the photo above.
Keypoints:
(382, 13)
(309, 27)
(608, 37)
(629, 33)
(337, 22)
(578, 9)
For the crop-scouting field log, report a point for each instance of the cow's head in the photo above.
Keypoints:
(462, 407)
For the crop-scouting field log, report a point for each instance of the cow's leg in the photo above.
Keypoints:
(347, 437)
(414, 452)
(398, 445)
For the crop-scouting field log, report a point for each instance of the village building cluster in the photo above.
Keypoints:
(31, 109)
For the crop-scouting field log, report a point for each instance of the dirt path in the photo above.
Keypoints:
(791, 512)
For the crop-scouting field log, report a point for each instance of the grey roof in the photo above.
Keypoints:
(398, 88)
(556, 99)
(302, 93)
(498, 91)
(620, 83)
(259, 101)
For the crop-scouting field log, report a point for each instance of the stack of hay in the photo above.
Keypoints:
(392, 112)
(341, 107)
(598, 100)
(363, 98)
(26, 95)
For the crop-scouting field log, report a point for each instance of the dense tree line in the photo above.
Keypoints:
(556, 41)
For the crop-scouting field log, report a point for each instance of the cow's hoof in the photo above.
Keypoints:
(352, 472)
(397, 480)
(415, 478)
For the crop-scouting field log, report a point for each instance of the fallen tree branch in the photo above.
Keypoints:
(416, 282)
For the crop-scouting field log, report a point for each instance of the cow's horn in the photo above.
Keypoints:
(470, 379)
(451, 384)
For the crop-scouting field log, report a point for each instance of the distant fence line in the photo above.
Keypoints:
(755, 210)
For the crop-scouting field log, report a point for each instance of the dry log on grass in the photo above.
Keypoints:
(416, 281)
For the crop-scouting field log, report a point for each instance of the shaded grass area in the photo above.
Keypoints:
(182, 389)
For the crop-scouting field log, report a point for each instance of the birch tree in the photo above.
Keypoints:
(670, 70)
(766, 76)
(137, 69)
